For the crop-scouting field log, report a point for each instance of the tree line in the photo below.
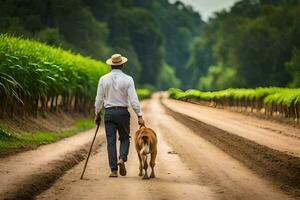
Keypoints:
(154, 34)
(254, 43)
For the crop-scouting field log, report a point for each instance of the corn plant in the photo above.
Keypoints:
(35, 77)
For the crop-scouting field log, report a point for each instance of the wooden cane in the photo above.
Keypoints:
(87, 159)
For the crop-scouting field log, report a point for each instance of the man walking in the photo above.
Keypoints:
(116, 91)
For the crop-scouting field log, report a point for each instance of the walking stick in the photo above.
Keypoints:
(87, 159)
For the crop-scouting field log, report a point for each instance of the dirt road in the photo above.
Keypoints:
(188, 167)
(27, 173)
(276, 136)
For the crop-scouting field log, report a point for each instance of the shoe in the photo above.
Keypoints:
(122, 168)
(113, 174)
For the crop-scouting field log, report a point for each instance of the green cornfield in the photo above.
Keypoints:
(271, 101)
(35, 77)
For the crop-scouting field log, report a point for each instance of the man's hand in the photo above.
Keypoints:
(98, 119)
(141, 121)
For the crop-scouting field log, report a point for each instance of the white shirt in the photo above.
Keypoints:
(117, 89)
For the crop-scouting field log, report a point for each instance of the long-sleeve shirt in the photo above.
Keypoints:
(117, 89)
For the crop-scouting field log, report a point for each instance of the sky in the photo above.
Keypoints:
(207, 7)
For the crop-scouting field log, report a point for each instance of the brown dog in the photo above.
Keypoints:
(146, 143)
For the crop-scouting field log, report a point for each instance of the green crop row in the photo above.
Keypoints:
(144, 93)
(35, 76)
(272, 99)
(272, 95)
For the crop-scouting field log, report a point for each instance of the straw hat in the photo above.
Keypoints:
(116, 59)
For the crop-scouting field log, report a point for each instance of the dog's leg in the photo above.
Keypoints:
(141, 167)
(143, 161)
(152, 164)
(145, 167)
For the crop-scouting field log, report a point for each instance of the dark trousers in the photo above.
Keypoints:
(117, 119)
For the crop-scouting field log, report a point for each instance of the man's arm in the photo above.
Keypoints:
(133, 99)
(134, 102)
(99, 102)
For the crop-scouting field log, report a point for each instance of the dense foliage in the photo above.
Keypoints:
(36, 77)
(149, 32)
(255, 43)
(273, 101)
(179, 26)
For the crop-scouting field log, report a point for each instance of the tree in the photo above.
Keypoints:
(167, 78)
(293, 67)
(218, 77)
(200, 60)
(260, 54)
(78, 27)
(253, 39)
(147, 42)
(179, 25)
(50, 36)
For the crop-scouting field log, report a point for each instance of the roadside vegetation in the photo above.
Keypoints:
(272, 101)
(167, 41)
(155, 35)
(35, 77)
(144, 93)
(14, 140)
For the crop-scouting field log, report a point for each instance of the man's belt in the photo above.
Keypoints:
(116, 107)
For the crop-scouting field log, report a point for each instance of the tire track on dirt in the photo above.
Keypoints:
(174, 179)
(188, 167)
(24, 179)
(278, 167)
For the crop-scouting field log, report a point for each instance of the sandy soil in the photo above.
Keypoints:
(276, 136)
(51, 122)
(26, 173)
(188, 167)
(278, 167)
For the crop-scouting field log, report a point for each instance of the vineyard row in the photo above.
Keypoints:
(269, 101)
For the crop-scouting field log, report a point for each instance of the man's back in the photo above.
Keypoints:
(115, 86)
(117, 89)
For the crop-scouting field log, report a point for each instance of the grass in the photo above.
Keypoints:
(143, 93)
(13, 140)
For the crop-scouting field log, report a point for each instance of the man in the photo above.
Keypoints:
(116, 91)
